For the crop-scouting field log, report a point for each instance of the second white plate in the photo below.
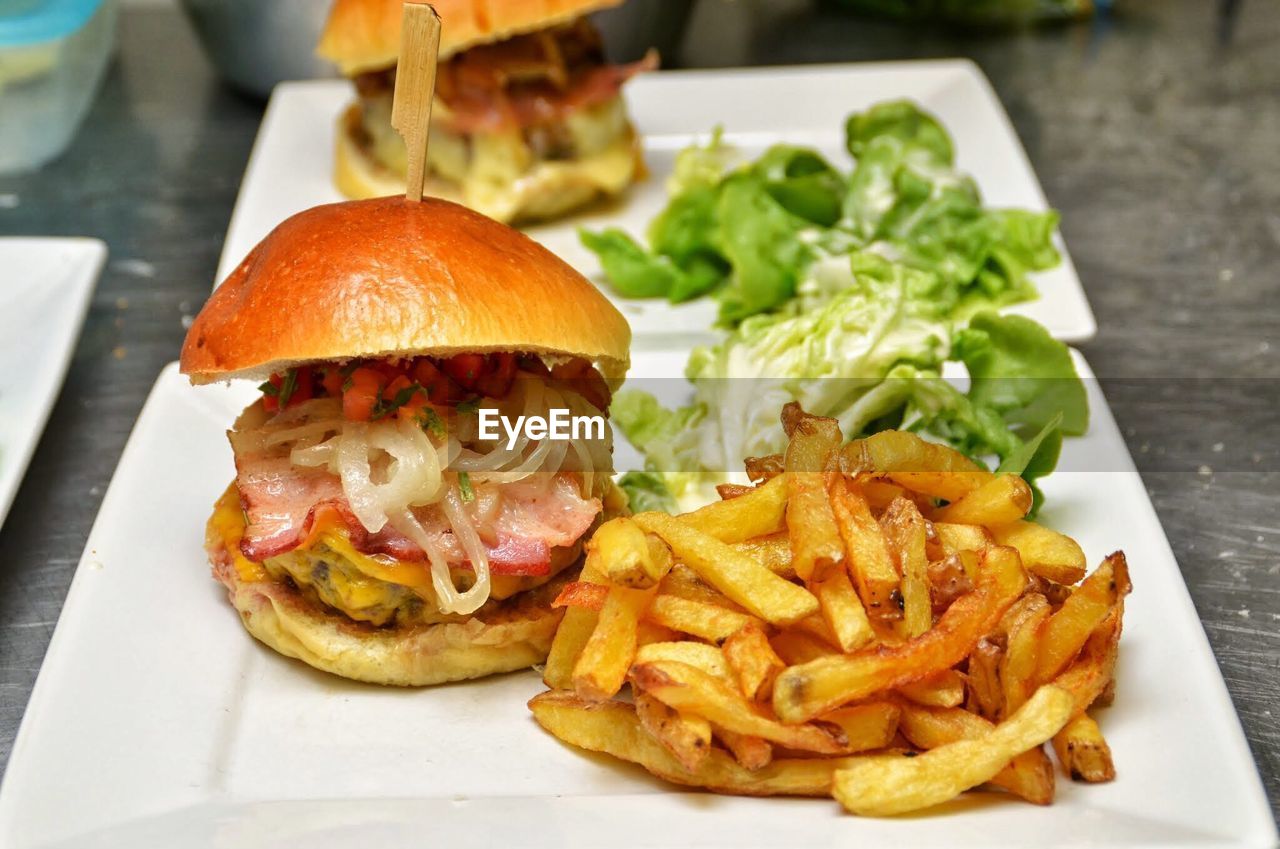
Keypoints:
(292, 162)
(45, 285)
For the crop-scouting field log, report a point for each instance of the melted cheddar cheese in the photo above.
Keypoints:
(371, 588)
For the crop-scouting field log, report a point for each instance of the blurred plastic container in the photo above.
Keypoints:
(52, 55)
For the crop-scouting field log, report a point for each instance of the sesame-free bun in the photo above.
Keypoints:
(364, 35)
(393, 277)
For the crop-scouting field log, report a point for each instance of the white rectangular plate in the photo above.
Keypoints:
(156, 721)
(45, 284)
(292, 162)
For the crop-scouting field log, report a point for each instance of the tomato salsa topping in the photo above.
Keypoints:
(372, 390)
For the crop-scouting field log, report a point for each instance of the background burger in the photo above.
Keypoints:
(369, 531)
(528, 121)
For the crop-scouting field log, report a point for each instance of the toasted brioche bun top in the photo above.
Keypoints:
(364, 35)
(392, 277)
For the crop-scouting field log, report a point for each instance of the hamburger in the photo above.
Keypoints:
(372, 530)
(528, 121)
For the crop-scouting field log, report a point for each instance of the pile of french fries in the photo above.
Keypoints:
(875, 621)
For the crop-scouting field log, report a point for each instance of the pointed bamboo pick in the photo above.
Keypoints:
(415, 87)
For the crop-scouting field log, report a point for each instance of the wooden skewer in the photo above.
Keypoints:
(415, 87)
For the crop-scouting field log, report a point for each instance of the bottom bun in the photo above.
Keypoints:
(501, 637)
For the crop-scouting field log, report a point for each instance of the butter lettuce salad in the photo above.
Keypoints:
(847, 292)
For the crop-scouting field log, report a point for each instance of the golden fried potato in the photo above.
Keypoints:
(737, 575)
(1084, 752)
(886, 785)
(802, 692)
(613, 729)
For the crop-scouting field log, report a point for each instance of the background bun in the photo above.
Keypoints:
(364, 35)
(511, 635)
(392, 277)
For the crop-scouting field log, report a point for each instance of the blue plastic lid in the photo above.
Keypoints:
(24, 22)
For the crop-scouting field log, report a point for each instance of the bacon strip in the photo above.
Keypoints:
(284, 505)
(485, 109)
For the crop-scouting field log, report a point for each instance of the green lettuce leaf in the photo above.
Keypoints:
(647, 491)
(871, 357)
(748, 235)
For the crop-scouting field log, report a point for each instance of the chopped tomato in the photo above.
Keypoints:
(533, 365)
(495, 381)
(430, 378)
(465, 369)
(271, 398)
(303, 386)
(585, 380)
(359, 400)
(332, 382)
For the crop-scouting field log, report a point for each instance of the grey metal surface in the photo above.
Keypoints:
(1155, 133)
(256, 44)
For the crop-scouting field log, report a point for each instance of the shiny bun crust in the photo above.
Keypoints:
(510, 635)
(364, 35)
(393, 277)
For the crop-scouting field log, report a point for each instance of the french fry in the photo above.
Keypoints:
(629, 556)
(902, 451)
(582, 594)
(576, 627)
(687, 738)
(757, 513)
(1088, 677)
(886, 785)
(942, 689)
(763, 468)
(878, 493)
(986, 696)
(753, 662)
(651, 632)
(732, 490)
(949, 486)
(951, 577)
(816, 626)
(797, 647)
(1022, 645)
(870, 562)
(802, 692)
(866, 726)
(773, 552)
(999, 501)
(955, 538)
(602, 667)
(700, 655)
(683, 582)
(817, 549)
(1067, 630)
(815, 541)
(690, 690)
(1044, 552)
(1084, 752)
(1108, 695)
(739, 577)
(835, 609)
(904, 531)
(843, 611)
(1028, 776)
(697, 618)
(613, 729)
(751, 753)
